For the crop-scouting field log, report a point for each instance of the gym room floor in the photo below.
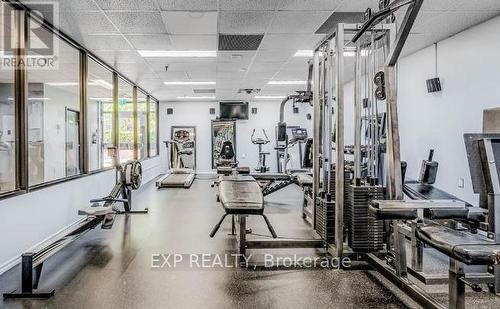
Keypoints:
(112, 268)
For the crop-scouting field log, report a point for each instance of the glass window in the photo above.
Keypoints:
(7, 105)
(153, 128)
(126, 121)
(142, 119)
(100, 115)
(53, 108)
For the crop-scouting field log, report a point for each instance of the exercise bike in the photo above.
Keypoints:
(260, 141)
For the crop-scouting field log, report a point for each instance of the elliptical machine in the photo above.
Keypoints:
(260, 141)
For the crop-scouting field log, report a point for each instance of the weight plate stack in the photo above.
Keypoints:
(365, 233)
(325, 220)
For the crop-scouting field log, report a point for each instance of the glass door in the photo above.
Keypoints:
(72, 142)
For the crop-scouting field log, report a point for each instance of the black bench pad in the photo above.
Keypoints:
(271, 176)
(304, 180)
(393, 214)
(467, 248)
(241, 195)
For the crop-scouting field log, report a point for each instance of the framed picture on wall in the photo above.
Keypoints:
(223, 134)
(183, 155)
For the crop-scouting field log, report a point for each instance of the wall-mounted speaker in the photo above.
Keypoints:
(212, 111)
(433, 85)
(254, 110)
(170, 111)
(295, 110)
(308, 117)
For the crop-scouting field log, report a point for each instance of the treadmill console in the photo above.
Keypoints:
(299, 134)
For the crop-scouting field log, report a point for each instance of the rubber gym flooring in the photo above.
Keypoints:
(114, 268)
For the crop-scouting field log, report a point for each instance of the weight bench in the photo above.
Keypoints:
(241, 196)
(304, 180)
(463, 249)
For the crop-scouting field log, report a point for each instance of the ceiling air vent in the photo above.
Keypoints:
(240, 42)
(203, 91)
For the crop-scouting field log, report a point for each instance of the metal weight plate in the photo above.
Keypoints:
(133, 174)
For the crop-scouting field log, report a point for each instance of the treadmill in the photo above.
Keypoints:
(181, 149)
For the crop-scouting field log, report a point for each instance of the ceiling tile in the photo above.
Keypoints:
(245, 5)
(298, 22)
(113, 57)
(194, 42)
(274, 55)
(245, 22)
(232, 67)
(122, 5)
(289, 41)
(77, 23)
(182, 22)
(150, 41)
(301, 5)
(105, 42)
(69, 5)
(209, 75)
(138, 22)
(188, 5)
(259, 66)
(170, 75)
(235, 56)
(358, 5)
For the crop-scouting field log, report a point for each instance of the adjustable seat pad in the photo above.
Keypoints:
(392, 214)
(468, 248)
(271, 176)
(304, 180)
(241, 195)
(182, 171)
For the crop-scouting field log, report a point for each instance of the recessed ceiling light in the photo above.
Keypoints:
(304, 53)
(188, 83)
(191, 98)
(271, 97)
(178, 53)
(287, 82)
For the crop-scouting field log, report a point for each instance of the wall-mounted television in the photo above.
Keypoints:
(234, 110)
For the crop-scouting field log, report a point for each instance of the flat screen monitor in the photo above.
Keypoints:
(234, 110)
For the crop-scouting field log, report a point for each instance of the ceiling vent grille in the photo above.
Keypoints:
(203, 91)
(240, 42)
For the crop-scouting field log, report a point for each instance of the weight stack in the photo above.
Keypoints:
(325, 220)
(325, 211)
(365, 233)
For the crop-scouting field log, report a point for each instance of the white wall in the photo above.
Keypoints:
(468, 67)
(197, 114)
(28, 219)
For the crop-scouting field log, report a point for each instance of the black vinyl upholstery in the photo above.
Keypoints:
(393, 214)
(471, 249)
(241, 195)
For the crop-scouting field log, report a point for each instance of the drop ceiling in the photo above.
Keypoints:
(116, 29)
